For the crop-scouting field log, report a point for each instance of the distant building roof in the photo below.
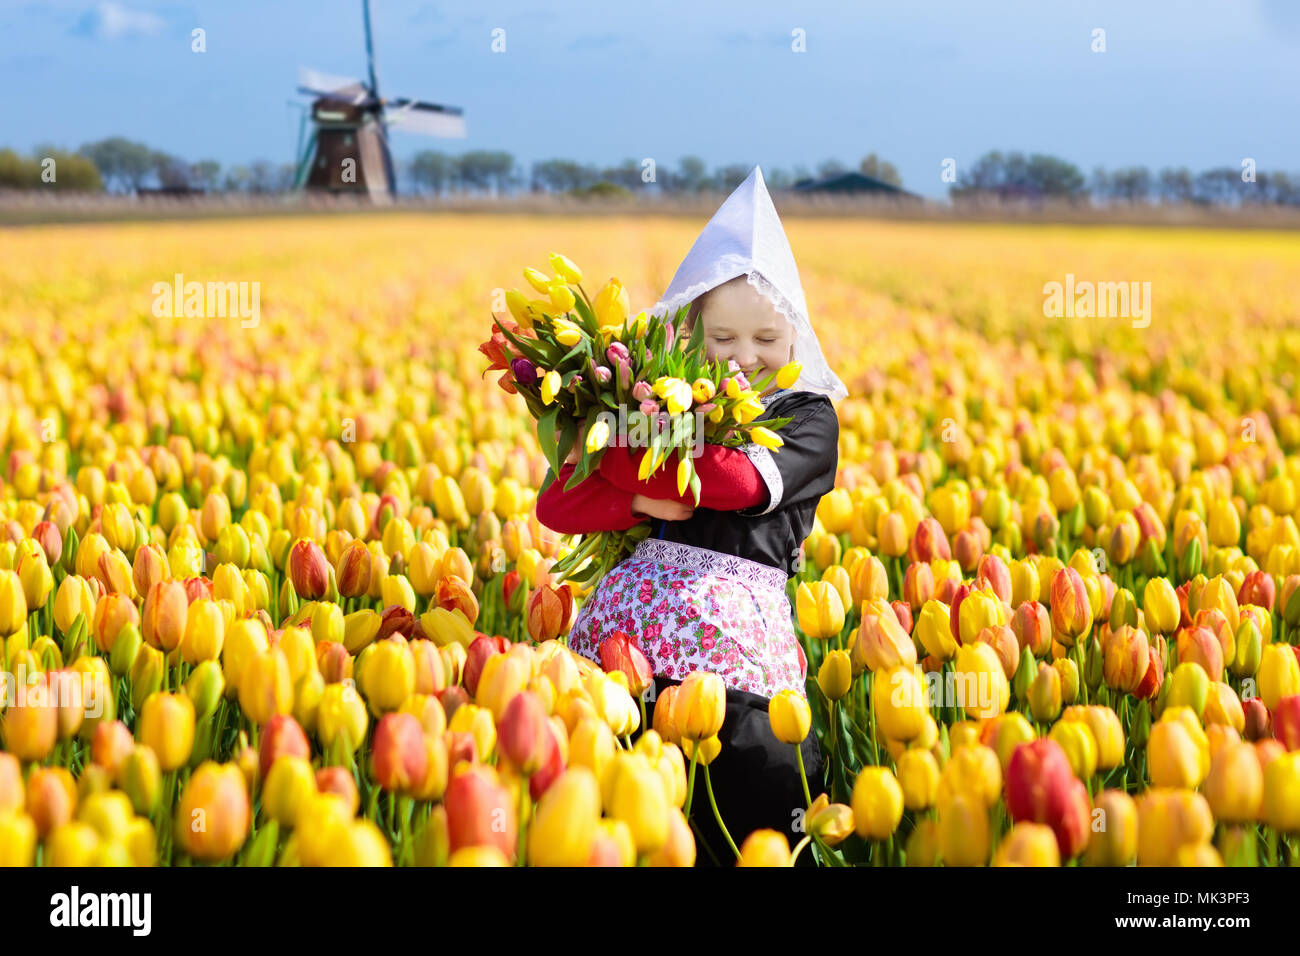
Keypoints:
(850, 182)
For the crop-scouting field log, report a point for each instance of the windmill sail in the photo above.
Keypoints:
(430, 119)
(344, 88)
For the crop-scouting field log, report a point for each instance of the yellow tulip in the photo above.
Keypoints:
(564, 829)
(550, 386)
(819, 609)
(835, 675)
(877, 803)
(611, 305)
(790, 717)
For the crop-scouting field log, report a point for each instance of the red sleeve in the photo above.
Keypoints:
(728, 479)
(593, 505)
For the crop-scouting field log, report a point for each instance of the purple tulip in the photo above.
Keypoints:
(525, 371)
(603, 374)
(722, 386)
(741, 381)
(624, 374)
(706, 407)
(649, 408)
(618, 353)
(641, 391)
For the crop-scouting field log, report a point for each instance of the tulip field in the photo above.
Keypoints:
(273, 590)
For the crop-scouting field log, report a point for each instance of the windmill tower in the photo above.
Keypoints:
(347, 151)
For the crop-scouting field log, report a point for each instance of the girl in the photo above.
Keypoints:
(707, 590)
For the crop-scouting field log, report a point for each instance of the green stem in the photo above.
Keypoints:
(798, 752)
(690, 783)
(708, 785)
(799, 848)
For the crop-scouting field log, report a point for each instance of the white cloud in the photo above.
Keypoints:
(110, 20)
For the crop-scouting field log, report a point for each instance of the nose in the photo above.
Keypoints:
(745, 356)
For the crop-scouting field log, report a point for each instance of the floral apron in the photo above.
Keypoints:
(695, 609)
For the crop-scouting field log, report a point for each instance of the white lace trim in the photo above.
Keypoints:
(712, 562)
(762, 460)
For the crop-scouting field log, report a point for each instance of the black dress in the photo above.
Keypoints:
(756, 777)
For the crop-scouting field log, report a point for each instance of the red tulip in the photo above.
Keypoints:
(1149, 686)
(282, 736)
(1200, 646)
(903, 612)
(552, 765)
(929, 542)
(397, 620)
(1041, 788)
(333, 661)
(1286, 721)
(399, 755)
(480, 812)
(461, 745)
(1259, 723)
(1071, 611)
(945, 591)
(1032, 626)
(995, 571)
(509, 586)
(198, 587)
(967, 549)
(308, 570)
(390, 506)
(621, 652)
(480, 649)
(166, 609)
(523, 731)
(47, 536)
(963, 589)
(353, 570)
(918, 585)
(1258, 588)
(1184, 616)
(1126, 657)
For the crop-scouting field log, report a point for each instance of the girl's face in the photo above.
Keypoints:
(740, 324)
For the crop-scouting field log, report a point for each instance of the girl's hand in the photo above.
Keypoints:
(664, 508)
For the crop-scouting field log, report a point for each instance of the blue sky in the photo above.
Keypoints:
(1199, 83)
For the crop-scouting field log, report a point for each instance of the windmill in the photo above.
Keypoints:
(347, 151)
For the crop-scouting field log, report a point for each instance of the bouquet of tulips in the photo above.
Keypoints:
(585, 369)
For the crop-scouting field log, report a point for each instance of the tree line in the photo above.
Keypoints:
(1007, 176)
(120, 165)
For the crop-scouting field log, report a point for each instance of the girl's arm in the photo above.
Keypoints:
(593, 505)
(728, 479)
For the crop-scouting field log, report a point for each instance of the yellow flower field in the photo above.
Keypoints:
(281, 566)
